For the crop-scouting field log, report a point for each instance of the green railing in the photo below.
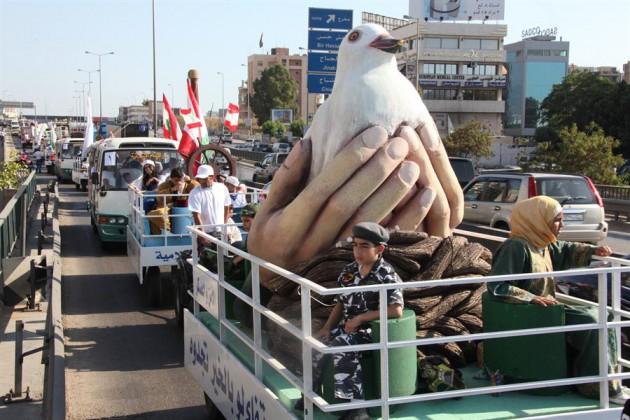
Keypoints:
(14, 216)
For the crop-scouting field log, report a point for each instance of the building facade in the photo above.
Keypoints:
(607, 72)
(626, 72)
(461, 71)
(534, 66)
(296, 66)
(140, 113)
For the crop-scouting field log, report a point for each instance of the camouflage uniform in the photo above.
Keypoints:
(347, 367)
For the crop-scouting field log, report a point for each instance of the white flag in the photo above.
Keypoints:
(88, 136)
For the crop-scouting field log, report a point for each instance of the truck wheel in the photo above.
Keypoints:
(180, 295)
(152, 286)
(213, 412)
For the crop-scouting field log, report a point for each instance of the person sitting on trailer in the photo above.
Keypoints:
(533, 247)
(248, 213)
(149, 180)
(348, 323)
(238, 198)
(171, 193)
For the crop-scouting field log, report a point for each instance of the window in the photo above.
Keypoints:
(439, 69)
(440, 94)
(480, 95)
(489, 44)
(480, 69)
(535, 52)
(567, 190)
(432, 43)
(471, 44)
(428, 68)
(450, 69)
(514, 186)
(450, 43)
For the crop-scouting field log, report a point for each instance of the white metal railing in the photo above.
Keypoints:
(614, 268)
(138, 214)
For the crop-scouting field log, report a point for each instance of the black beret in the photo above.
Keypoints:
(372, 232)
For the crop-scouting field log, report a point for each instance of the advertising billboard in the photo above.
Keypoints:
(284, 115)
(456, 10)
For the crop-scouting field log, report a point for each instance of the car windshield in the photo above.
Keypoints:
(122, 167)
(70, 150)
(566, 190)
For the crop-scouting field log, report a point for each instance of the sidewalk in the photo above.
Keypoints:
(34, 324)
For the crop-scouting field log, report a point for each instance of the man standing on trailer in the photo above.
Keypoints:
(209, 201)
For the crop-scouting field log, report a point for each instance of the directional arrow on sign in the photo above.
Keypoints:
(331, 18)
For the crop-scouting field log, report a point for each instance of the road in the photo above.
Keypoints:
(122, 358)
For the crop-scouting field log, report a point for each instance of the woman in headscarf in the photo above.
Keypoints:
(533, 247)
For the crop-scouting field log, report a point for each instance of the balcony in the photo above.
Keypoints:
(479, 56)
(465, 106)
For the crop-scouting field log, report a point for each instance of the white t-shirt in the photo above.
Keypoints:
(210, 203)
(38, 154)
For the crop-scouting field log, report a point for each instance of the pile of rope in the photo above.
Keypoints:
(440, 310)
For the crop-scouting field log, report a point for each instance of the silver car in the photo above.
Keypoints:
(489, 200)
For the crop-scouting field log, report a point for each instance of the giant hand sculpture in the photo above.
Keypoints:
(373, 153)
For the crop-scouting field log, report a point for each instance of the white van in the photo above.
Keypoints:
(114, 164)
(65, 151)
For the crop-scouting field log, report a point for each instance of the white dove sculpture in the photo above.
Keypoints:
(369, 90)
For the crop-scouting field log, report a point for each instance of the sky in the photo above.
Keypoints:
(43, 43)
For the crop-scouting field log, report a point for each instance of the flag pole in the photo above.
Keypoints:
(155, 116)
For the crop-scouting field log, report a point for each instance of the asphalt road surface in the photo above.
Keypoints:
(123, 359)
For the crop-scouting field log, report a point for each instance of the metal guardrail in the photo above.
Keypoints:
(248, 154)
(616, 199)
(54, 378)
(614, 192)
(14, 217)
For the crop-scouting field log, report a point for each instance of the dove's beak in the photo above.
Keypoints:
(388, 44)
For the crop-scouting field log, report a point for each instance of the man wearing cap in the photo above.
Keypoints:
(238, 198)
(348, 323)
(208, 201)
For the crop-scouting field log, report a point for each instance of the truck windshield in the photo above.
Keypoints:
(122, 167)
(71, 150)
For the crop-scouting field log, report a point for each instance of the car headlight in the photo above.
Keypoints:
(112, 220)
(121, 220)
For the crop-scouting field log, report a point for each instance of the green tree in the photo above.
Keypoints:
(273, 128)
(10, 175)
(589, 152)
(583, 98)
(297, 128)
(470, 141)
(274, 89)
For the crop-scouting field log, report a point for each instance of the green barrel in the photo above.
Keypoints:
(525, 358)
(403, 362)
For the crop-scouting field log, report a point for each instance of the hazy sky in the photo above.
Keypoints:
(42, 42)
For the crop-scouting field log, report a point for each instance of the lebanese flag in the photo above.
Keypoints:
(170, 126)
(231, 117)
(189, 143)
(202, 131)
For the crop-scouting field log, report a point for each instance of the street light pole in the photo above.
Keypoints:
(249, 111)
(155, 118)
(222, 101)
(417, 66)
(100, 85)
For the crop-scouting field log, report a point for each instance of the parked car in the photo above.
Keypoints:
(281, 147)
(464, 170)
(266, 169)
(489, 199)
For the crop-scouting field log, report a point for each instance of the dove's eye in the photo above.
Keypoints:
(353, 36)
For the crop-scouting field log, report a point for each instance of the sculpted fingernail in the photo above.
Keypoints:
(374, 137)
(397, 149)
(427, 197)
(409, 172)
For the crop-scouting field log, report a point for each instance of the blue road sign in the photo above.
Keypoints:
(322, 62)
(325, 40)
(320, 83)
(329, 18)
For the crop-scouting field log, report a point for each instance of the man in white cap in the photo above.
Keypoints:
(238, 198)
(209, 201)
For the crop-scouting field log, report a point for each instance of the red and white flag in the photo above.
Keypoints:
(201, 133)
(170, 126)
(189, 143)
(231, 117)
